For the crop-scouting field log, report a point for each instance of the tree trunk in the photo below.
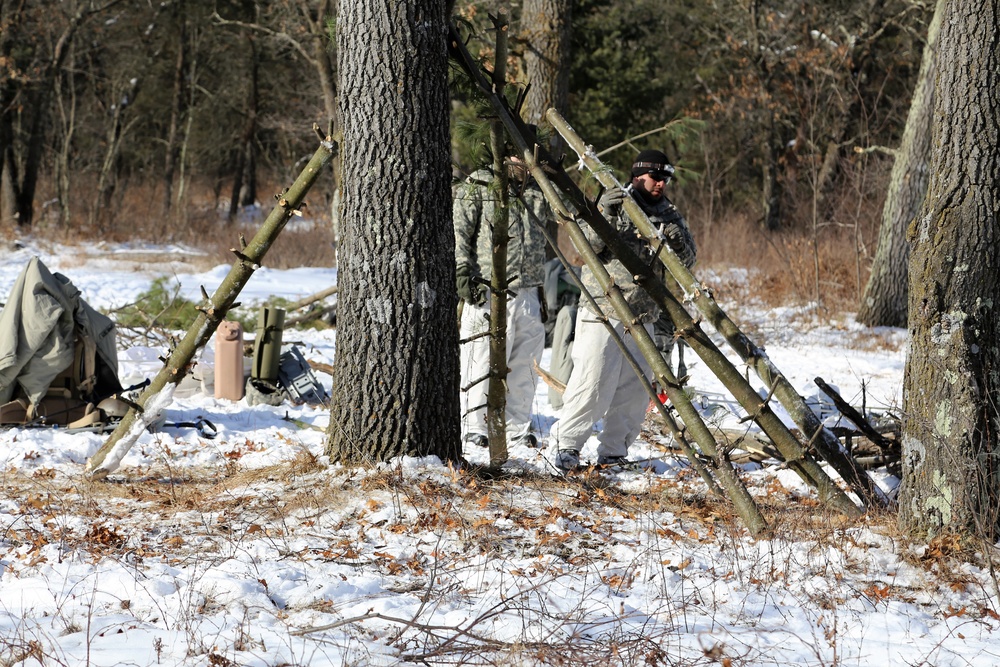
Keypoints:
(38, 111)
(176, 106)
(546, 36)
(396, 379)
(884, 300)
(770, 195)
(496, 393)
(8, 188)
(244, 174)
(322, 59)
(323, 62)
(8, 183)
(193, 76)
(33, 158)
(546, 32)
(66, 102)
(952, 380)
(122, 96)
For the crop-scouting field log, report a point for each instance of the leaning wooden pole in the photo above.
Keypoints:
(694, 424)
(675, 429)
(807, 468)
(159, 393)
(683, 281)
(729, 480)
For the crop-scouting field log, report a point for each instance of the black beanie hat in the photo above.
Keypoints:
(651, 160)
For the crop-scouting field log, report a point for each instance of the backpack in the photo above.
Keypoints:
(58, 356)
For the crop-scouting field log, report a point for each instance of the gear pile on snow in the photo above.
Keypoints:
(58, 355)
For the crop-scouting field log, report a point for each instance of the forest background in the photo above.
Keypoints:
(166, 122)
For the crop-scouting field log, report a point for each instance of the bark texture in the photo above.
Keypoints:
(952, 381)
(396, 378)
(546, 36)
(496, 395)
(884, 301)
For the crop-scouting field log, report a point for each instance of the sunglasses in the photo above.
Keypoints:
(664, 176)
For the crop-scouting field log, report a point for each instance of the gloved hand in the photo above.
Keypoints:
(611, 200)
(680, 241)
(665, 344)
(463, 280)
(467, 288)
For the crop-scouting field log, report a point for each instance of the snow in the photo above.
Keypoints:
(251, 549)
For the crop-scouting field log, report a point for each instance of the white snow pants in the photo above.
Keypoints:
(525, 342)
(602, 386)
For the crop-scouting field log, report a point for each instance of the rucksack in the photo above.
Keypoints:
(58, 356)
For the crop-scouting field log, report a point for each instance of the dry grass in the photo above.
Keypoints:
(464, 504)
(790, 266)
(202, 224)
(824, 260)
(555, 530)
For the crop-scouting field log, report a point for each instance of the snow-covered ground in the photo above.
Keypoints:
(250, 549)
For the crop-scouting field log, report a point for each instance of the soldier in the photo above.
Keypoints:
(473, 218)
(602, 384)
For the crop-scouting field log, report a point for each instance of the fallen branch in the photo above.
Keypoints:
(318, 296)
(320, 366)
(550, 379)
(310, 315)
(856, 417)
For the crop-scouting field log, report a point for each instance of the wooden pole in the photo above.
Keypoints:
(729, 480)
(496, 393)
(682, 281)
(155, 398)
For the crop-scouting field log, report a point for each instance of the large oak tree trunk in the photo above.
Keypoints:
(952, 381)
(884, 300)
(396, 378)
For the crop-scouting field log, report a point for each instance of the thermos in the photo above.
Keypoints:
(267, 345)
(229, 361)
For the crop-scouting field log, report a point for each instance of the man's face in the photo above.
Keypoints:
(651, 184)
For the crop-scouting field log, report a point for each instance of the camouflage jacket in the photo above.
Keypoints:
(472, 215)
(662, 214)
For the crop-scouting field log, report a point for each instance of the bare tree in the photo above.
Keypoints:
(181, 73)
(28, 95)
(952, 381)
(245, 172)
(884, 300)
(545, 33)
(303, 26)
(396, 378)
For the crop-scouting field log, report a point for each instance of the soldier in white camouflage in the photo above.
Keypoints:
(602, 384)
(473, 213)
